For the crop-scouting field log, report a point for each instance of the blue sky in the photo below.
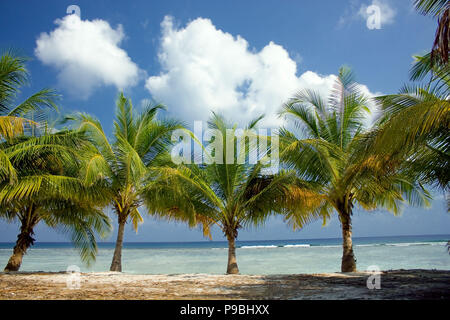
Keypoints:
(194, 56)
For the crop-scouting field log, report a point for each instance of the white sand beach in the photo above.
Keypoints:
(394, 284)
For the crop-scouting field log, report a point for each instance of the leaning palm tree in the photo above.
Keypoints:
(228, 190)
(140, 141)
(13, 75)
(35, 181)
(332, 150)
(46, 188)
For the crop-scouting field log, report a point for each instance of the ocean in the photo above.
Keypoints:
(253, 257)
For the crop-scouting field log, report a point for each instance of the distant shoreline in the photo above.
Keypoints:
(394, 284)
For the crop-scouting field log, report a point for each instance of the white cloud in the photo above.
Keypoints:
(204, 69)
(350, 13)
(87, 55)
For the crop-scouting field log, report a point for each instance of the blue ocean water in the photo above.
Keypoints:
(254, 257)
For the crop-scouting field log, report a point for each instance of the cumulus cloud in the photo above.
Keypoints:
(204, 69)
(87, 55)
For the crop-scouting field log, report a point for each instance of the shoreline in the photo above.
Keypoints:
(414, 284)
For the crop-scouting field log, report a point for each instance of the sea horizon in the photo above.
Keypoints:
(310, 241)
(289, 256)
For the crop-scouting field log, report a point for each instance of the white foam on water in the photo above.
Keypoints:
(257, 247)
(297, 246)
(409, 244)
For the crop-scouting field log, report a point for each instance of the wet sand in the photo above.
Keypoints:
(395, 284)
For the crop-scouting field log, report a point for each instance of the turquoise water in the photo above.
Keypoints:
(254, 257)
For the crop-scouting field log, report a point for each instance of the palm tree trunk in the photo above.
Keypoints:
(232, 267)
(348, 258)
(24, 241)
(116, 264)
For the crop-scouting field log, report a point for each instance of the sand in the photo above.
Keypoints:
(394, 284)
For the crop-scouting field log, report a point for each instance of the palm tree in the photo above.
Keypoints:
(416, 122)
(140, 141)
(46, 188)
(332, 150)
(439, 9)
(38, 179)
(13, 75)
(229, 195)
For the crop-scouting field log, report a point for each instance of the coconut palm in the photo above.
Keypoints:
(332, 149)
(46, 188)
(416, 122)
(225, 191)
(13, 75)
(38, 179)
(439, 9)
(140, 141)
